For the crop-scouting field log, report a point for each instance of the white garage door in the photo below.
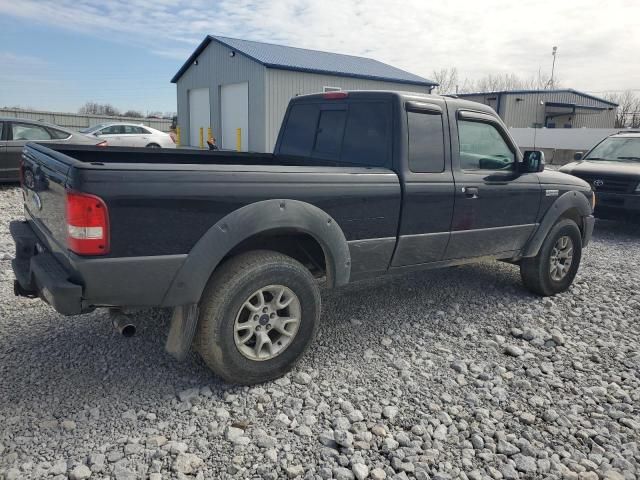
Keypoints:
(199, 115)
(234, 104)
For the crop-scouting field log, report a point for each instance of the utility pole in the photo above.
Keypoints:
(553, 65)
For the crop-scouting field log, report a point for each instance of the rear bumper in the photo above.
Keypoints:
(74, 284)
(38, 273)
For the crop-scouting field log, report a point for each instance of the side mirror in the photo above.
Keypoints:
(96, 134)
(533, 161)
(578, 156)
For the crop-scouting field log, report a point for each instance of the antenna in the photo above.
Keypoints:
(535, 129)
(553, 65)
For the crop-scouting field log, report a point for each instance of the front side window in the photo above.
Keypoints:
(483, 148)
(616, 149)
(426, 142)
(29, 132)
(1, 129)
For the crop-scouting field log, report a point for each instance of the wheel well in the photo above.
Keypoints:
(298, 245)
(154, 144)
(574, 214)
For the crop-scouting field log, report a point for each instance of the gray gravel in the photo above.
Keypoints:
(456, 373)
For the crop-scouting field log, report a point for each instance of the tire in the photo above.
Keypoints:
(536, 272)
(153, 145)
(224, 310)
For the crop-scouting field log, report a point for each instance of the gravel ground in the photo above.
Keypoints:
(456, 373)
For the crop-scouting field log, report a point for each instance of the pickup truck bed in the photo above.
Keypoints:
(360, 184)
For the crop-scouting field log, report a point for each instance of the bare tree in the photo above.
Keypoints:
(628, 111)
(507, 81)
(94, 108)
(133, 114)
(447, 79)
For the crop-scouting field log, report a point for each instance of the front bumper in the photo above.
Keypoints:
(619, 206)
(39, 274)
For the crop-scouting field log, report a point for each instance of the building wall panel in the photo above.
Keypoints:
(215, 68)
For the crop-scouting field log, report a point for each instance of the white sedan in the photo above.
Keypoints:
(130, 135)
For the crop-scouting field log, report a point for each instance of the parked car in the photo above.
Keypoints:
(361, 184)
(131, 135)
(612, 168)
(16, 132)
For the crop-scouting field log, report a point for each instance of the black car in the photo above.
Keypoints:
(612, 168)
(361, 184)
(16, 132)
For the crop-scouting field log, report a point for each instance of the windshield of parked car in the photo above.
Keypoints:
(617, 149)
(93, 128)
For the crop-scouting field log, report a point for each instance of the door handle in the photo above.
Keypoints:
(470, 192)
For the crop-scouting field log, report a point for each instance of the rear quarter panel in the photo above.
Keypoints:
(165, 210)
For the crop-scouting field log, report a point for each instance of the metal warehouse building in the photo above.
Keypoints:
(229, 84)
(565, 108)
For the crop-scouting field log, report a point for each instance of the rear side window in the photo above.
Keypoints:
(1, 130)
(58, 134)
(368, 135)
(300, 131)
(426, 142)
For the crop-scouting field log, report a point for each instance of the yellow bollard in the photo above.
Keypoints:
(209, 135)
(238, 139)
(201, 137)
(178, 136)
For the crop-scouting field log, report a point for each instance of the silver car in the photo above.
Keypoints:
(16, 132)
(118, 134)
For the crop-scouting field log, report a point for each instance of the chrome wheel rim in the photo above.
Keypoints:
(561, 258)
(267, 322)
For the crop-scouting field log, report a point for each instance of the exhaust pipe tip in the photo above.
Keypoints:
(122, 324)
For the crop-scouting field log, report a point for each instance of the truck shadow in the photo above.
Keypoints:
(617, 229)
(65, 365)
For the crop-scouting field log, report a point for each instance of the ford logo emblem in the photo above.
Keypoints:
(598, 183)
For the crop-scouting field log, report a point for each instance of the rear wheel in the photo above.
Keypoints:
(153, 145)
(556, 265)
(258, 314)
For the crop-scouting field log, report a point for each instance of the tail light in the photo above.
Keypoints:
(87, 224)
(335, 95)
(102, 144)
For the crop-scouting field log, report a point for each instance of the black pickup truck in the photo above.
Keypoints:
(361, 184)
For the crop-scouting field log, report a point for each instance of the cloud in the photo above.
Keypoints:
(597, 44)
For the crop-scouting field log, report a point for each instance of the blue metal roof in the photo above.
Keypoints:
(282, 57)
(524, 92)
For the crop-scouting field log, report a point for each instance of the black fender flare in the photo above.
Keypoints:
(253, 219)
(564, 203)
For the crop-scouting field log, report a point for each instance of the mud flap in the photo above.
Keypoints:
(183, 328)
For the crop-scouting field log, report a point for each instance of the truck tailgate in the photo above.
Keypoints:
(45, 177)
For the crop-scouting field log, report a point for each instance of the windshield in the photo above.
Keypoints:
(616, 149)
(93, 128)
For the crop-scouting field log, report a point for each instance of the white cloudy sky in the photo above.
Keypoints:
(599, 41)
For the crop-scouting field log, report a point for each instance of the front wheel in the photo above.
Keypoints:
(556, 265)
(258, 314)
